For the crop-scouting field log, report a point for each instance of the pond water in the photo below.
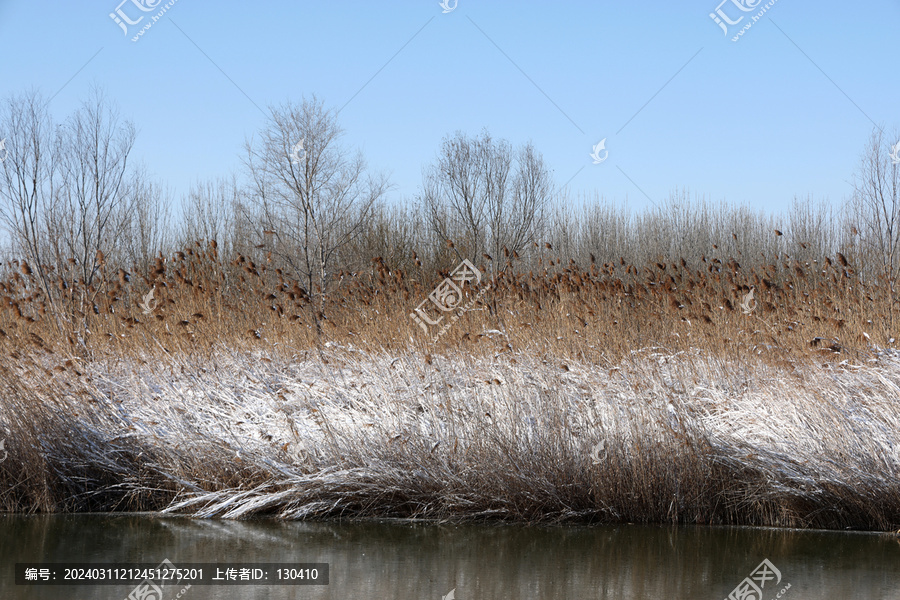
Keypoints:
(380, 560)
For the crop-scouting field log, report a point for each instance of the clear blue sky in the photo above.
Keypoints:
(783, 112)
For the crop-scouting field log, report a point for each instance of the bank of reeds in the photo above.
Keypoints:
(664, 391)
(682, 438)
(196, 300)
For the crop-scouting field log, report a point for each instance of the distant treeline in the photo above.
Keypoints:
(72, 199)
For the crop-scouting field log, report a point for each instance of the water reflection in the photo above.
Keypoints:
(400, 560)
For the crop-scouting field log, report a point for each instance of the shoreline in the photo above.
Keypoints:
(438, 523)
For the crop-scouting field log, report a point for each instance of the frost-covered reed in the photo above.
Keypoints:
(659, 437)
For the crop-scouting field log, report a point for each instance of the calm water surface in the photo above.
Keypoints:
(376, 560)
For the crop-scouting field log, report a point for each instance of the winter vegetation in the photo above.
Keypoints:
(250, 349)
(684, 438)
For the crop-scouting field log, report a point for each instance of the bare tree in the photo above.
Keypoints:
(454, 196)
(486, 198)
(876, 208)
(390, 233)
(91, 212)
(524, 218)
(66, 194)
(147, 232)
(29, 178)
(312, 194)
(813, 229)
(210, 213)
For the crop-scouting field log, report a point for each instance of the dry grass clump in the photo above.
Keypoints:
(681, 438)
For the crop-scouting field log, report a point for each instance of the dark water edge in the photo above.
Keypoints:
(378, 559)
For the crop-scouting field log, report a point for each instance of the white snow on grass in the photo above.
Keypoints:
(345, 430)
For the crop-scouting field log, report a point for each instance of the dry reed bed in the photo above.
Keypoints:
(593, 312)
(658, 437)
